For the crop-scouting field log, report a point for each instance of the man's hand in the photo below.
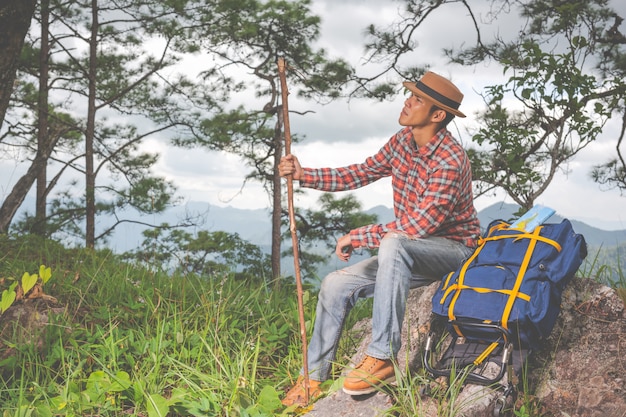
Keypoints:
(344, 248)
(289, 165)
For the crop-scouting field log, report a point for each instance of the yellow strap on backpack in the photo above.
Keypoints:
(520, 277)
(514, 293)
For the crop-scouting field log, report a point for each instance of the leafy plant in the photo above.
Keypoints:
(8, 297)
(26, 284)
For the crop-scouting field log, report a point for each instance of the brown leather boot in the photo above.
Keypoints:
(297, 395)
(368, 375)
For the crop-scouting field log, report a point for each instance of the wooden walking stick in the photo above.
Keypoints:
(292, 224)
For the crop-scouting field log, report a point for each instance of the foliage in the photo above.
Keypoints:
(131, 341)
(607, 265)
(564, 71)
(8, 297)
(256, 33)
(564, 85)
(15, 17)
(204, 253)
(613, 172)
(197, 332)
(106, 95)
(137, 342)
(248, 36)
(24, 287)
(562, 111)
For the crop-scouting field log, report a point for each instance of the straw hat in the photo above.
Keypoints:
(440, 90)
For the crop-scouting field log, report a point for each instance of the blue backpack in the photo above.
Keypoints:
(514, 279)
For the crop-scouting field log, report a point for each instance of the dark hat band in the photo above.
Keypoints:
(437, 96)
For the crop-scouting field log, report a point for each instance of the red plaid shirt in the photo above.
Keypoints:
(432, 188)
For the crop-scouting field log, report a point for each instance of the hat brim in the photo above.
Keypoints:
(411, 86)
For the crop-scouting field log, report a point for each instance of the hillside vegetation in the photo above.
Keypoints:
(130, 341)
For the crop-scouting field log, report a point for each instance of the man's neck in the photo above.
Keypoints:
(423, 135)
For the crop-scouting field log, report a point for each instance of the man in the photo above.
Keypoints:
(434, 230)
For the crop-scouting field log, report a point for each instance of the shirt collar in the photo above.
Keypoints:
(432, 145)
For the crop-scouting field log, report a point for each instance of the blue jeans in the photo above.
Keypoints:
(402, 263)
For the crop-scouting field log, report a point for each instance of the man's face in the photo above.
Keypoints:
(416, 111)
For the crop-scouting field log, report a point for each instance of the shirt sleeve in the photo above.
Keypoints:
(423, 219)
(350, 177)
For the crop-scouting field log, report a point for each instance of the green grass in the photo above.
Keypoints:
(133, 342)
(129, 341)
(607, 267)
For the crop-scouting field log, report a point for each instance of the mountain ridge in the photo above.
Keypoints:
(254, 225)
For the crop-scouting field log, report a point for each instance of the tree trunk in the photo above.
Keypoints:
(18, 193)
(90, 175)
(45, 144)
(15, 17)
(42, 127)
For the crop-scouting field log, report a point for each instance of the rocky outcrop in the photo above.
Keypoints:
(580, 371)
(584, 371)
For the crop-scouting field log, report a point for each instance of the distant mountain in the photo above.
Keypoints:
(593, 236)
(255, 225)
(251, 225)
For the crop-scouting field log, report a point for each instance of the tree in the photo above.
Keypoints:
(119, 80)
(562, 111)
(563, 82)
(15, 17)
(613, 172)
(565, 102)
(43, 139)
(249, 35)
(34, 127)
(127, 98)
(208, 254)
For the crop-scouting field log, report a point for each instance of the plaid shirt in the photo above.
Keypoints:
(432, 188)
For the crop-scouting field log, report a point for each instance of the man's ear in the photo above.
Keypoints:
(438, 116)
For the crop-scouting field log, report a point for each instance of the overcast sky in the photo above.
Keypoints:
(344, 133)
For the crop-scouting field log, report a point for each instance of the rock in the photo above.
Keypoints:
(584, 373)
(30, 316)
(580, 371)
